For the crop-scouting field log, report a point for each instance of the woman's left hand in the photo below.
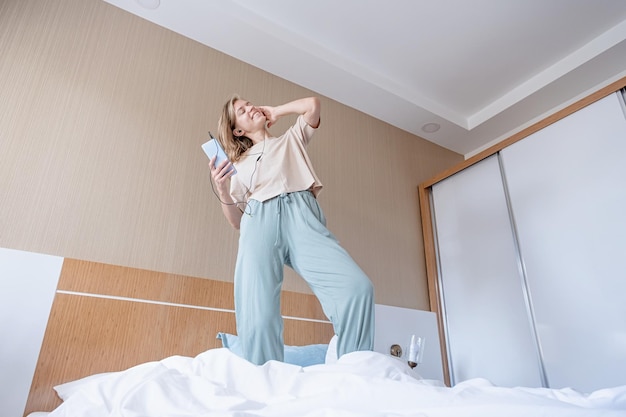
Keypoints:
(308, 107)
(270, 114)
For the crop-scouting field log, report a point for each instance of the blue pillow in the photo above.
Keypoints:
(296, 355)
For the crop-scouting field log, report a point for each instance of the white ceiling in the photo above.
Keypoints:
(482, 69)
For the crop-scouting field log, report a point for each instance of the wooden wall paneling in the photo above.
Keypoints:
(301, 305)
(108, 318)
(113, 280)
(431, 273)
(300, 332)
(88, 335)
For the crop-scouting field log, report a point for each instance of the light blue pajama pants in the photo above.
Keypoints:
(291, 230)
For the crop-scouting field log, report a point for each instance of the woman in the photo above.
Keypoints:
(271, 199)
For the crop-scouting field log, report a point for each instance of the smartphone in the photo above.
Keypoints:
(213, 148)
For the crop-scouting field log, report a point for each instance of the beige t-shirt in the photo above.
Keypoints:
(275, 166)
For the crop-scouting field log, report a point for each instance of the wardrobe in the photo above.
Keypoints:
(526, 255)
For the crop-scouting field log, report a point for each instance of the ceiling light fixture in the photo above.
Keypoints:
(431, 127)
(149, 4)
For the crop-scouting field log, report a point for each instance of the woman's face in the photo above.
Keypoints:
(248, 118)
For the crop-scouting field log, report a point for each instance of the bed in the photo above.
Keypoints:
(127, 342)
(218, 382)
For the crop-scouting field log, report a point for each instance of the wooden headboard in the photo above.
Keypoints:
(108, 318)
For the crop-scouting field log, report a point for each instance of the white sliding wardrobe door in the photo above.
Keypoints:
(567, 186)
(488, 330)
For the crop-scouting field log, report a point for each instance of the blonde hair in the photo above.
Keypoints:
(234, 146)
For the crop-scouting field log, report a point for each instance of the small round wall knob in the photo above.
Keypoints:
(396, 351)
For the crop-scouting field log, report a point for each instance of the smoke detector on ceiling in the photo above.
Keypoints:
(149, 4)
(431, 127)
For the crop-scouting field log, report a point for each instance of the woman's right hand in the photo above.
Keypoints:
(221, 176)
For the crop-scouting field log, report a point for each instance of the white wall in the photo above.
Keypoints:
(395, 325)
(28, 283)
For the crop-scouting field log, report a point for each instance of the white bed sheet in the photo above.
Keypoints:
(360, 384)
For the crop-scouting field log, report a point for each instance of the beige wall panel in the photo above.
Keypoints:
(101, 119)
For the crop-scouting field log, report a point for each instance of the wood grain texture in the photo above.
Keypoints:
(89, 332)
(88, 335)
(119, 281)
(431, 271)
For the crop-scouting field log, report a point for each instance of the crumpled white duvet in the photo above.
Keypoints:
(360, 384)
